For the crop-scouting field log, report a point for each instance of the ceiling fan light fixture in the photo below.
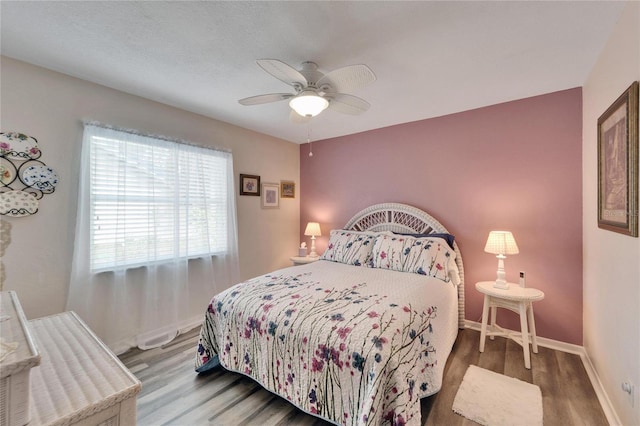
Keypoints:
(308, 103)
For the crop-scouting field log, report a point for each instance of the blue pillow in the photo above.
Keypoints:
(447, 237)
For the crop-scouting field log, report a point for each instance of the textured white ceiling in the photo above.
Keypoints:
(430, 58)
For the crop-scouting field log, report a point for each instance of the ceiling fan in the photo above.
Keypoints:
(315, 91)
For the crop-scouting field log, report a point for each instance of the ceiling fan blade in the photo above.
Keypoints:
(296, 118)
(347, 104)
(263, 99)
(348, 78)
(283, 72)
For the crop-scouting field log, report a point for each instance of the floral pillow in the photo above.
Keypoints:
(424, 256)
(350, 247)
(447, 237)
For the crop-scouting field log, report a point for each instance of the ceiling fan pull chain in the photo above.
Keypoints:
(309, 140)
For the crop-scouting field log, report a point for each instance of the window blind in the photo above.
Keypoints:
(154, 200)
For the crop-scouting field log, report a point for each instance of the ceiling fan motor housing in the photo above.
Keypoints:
(310, 72)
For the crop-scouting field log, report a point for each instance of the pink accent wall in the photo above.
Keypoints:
(514, 166)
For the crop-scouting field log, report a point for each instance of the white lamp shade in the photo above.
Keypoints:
(501, 242)
(313, 229)
(308, 104)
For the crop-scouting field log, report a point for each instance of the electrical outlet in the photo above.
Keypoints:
(629, 388)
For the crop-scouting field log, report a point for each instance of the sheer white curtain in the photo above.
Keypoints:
(156, 236)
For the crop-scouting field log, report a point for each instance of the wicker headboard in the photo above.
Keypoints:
(403, 218)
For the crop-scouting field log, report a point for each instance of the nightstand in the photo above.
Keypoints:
(303, 260)
(517, 299)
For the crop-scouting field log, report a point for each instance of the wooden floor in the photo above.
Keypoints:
(173, 394)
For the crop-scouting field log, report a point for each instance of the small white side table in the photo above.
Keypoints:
(303, 260)
(517, 299)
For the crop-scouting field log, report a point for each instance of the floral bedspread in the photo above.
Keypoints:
(353, 345)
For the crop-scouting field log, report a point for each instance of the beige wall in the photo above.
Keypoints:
(51, 107)
(611, 261)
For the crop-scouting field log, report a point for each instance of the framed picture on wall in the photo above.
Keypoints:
(249, 185)
(618, 165)
(270, 196)
(287, 189)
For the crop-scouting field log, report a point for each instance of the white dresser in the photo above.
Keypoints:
(79, 381)
(18, 356)
(56, 372)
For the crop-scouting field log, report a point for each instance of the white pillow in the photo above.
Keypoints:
(350, 247)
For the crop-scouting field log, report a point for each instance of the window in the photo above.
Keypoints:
(153, 200)
(147, 208)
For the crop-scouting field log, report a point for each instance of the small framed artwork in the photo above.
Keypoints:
(618, 165)
(287, 189)
(270, 196)
(249, 185)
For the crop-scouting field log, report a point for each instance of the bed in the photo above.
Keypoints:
(357, 337)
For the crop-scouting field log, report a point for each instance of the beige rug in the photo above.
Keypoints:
(492, 399)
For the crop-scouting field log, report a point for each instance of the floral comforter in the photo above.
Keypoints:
(353, 345)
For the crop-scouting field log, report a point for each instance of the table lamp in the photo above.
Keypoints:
(501, 243)
(313, 230)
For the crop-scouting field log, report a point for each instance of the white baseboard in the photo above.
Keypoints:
(605, 402)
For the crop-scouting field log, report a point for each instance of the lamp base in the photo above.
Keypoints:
(313, 247)
(501, 284)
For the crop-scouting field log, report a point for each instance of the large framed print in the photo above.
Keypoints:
(618, 165)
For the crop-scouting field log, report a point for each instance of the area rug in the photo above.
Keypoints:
(492, 399)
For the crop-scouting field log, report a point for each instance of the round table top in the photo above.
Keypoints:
(514, 292)
(304, 259)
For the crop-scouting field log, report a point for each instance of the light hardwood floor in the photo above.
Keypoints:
(173, 394)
